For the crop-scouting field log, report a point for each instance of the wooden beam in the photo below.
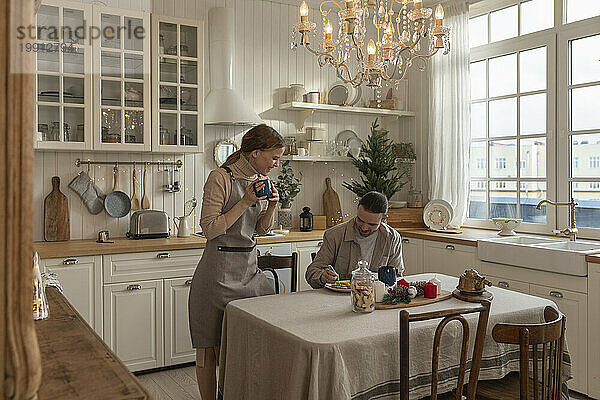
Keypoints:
(20, 370)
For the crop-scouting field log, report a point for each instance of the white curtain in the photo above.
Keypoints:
(449, 116)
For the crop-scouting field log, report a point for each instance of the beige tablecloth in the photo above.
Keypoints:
(310, 345)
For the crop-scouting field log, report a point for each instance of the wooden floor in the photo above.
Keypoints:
(180, 383)
(172, 384)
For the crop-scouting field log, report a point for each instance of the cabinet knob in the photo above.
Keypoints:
(269, 253)
(405, 241)
(163, 255)
(188, 282)
(137, 286)
(503, 284)
(320, 244)
(70, 261)
(557, 294)
(450, 247)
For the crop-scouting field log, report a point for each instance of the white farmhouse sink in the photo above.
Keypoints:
(577, 247)
(546, 254)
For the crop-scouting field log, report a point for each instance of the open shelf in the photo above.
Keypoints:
(307, 109)
(317, 158)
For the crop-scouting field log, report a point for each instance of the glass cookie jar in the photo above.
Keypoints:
(363, 288)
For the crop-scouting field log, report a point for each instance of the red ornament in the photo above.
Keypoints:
(403, 282)
(430, 290)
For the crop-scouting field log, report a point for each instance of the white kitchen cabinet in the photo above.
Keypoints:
(305, 249)
(448, 258)
(178, 343)
(81, 280)
(510, 284)
(63, 106)
(121, 68)
(412, 256)
(177, 77)
(593, 329)
(133, 323)
(574, 306)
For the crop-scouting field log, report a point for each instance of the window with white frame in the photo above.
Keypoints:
(580, 86)
(519, 92)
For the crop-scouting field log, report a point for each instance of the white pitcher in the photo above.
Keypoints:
(184, 228)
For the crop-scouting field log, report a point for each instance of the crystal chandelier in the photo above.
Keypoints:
(409, 35)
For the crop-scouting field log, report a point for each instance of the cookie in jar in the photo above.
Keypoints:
(363, 288)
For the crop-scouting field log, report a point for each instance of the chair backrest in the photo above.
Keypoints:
(448, 315)
(274, 263)
(550, 336)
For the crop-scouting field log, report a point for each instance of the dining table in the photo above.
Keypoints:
(311, 345)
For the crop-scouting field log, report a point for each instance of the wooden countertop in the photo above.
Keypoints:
(76, 363)
(78, 248)
(593, 259)
(469, 236)
(89, 247)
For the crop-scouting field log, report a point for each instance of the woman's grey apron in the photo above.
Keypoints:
(227, 271)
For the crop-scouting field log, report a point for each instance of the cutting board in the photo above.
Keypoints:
(57, 226)
(331, 204)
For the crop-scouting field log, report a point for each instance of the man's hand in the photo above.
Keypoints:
(328, 276)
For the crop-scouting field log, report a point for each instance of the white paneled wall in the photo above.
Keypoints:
(264, 64)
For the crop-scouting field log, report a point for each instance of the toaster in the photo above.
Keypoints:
(147, 224)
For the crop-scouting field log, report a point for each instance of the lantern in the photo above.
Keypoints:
(306, 220)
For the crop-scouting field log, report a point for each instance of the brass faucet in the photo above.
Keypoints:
(572, 230)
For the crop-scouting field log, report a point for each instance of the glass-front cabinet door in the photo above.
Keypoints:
(63, 85)
(177, 77)
(122, 80)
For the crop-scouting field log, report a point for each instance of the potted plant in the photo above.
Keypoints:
(288, 187)
(378, 164)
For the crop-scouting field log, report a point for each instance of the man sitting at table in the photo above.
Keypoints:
(364, 237)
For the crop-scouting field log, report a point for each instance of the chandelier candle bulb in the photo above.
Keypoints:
(371, 51)
(303, 12)
(439, 15)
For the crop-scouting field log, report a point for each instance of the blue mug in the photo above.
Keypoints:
(266, 189)
(387, 275)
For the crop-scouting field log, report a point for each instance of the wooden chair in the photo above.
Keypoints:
(273, 263)
(551, 336)
(448, 315)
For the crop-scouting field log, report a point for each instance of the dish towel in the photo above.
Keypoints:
(90, 194)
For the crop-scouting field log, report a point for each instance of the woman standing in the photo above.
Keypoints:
(231, 213)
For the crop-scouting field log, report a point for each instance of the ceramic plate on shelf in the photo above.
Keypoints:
(338, 94)
(340, 286)
(345, 136)
(438, 214)
(356, 95)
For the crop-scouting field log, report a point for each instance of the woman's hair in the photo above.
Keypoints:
(261, 137)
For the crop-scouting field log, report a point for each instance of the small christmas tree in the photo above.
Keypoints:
(287, 185)
(377, 163)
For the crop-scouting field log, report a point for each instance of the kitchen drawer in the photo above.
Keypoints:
(448, 258)
(150, 265)
(517, 286)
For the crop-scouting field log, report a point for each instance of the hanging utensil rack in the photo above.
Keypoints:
(176, 163)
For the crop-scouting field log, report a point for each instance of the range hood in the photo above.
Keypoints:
(223, 105)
